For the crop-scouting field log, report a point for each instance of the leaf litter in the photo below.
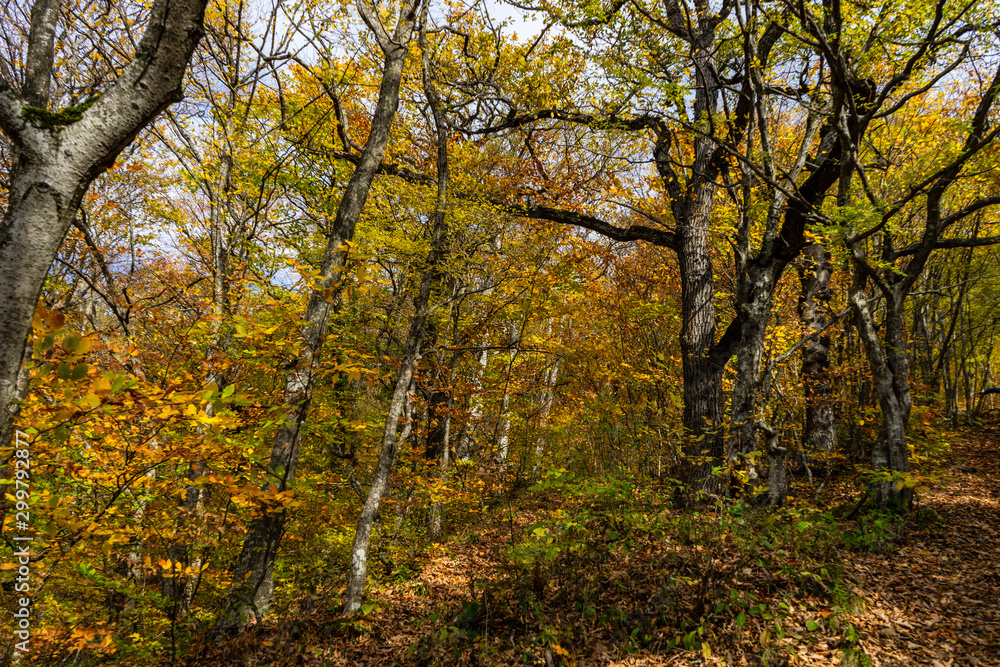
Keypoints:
(930, 595)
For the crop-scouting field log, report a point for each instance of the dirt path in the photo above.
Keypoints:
(935, 600)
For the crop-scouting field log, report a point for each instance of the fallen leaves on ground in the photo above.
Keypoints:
(932, 597)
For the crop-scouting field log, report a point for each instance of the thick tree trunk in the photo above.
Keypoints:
(754, 303)
(819, 434)
(704, 402)
(59, 155)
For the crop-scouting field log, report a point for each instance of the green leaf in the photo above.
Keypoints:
(812, 626)
(228, 391)
(70, 342)
(79, 371)
(741, 619)
(64, 371)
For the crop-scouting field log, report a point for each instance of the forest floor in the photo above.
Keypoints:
(925, 591)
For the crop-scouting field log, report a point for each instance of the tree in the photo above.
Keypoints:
(59, 153)
(252, 574)
(431, 281)
(934, 199)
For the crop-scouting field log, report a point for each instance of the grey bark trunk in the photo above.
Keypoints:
(465, 439)
(777, 479)
(755, 310)
(549, 378)
(58, 157)
(890, 377)
(431, 280)
(253, 587)
(819, 434)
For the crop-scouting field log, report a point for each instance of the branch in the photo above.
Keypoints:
(374, 24)
(10, 112)
(610, 122)
(150, 84)
(658, 237)
(41, 52)
(387, 169)
(967, 243)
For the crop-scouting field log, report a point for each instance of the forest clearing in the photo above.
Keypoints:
(499, 332)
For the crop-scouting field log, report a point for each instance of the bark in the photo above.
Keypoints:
(358, 571)
(503, 427)
(819, 434)
(443, 462)
(431, 281)
(252, 589)
(439, 426)
(14, 407)
(59, 155)
(890, 454)
(777, 479)
(502, 433)
(704, 406)
(755, 310)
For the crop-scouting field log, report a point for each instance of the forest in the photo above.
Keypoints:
(496, 332)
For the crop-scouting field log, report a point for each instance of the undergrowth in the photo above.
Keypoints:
(615, 565)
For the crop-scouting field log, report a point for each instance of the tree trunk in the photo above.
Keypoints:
(819, 434)
(431, 280)
(253, 573)
(59, 155)
(465, 440)
(358, 572)
(547, 395)
(777, 479)
(890, 376)
(754, 303)
(704, 404)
